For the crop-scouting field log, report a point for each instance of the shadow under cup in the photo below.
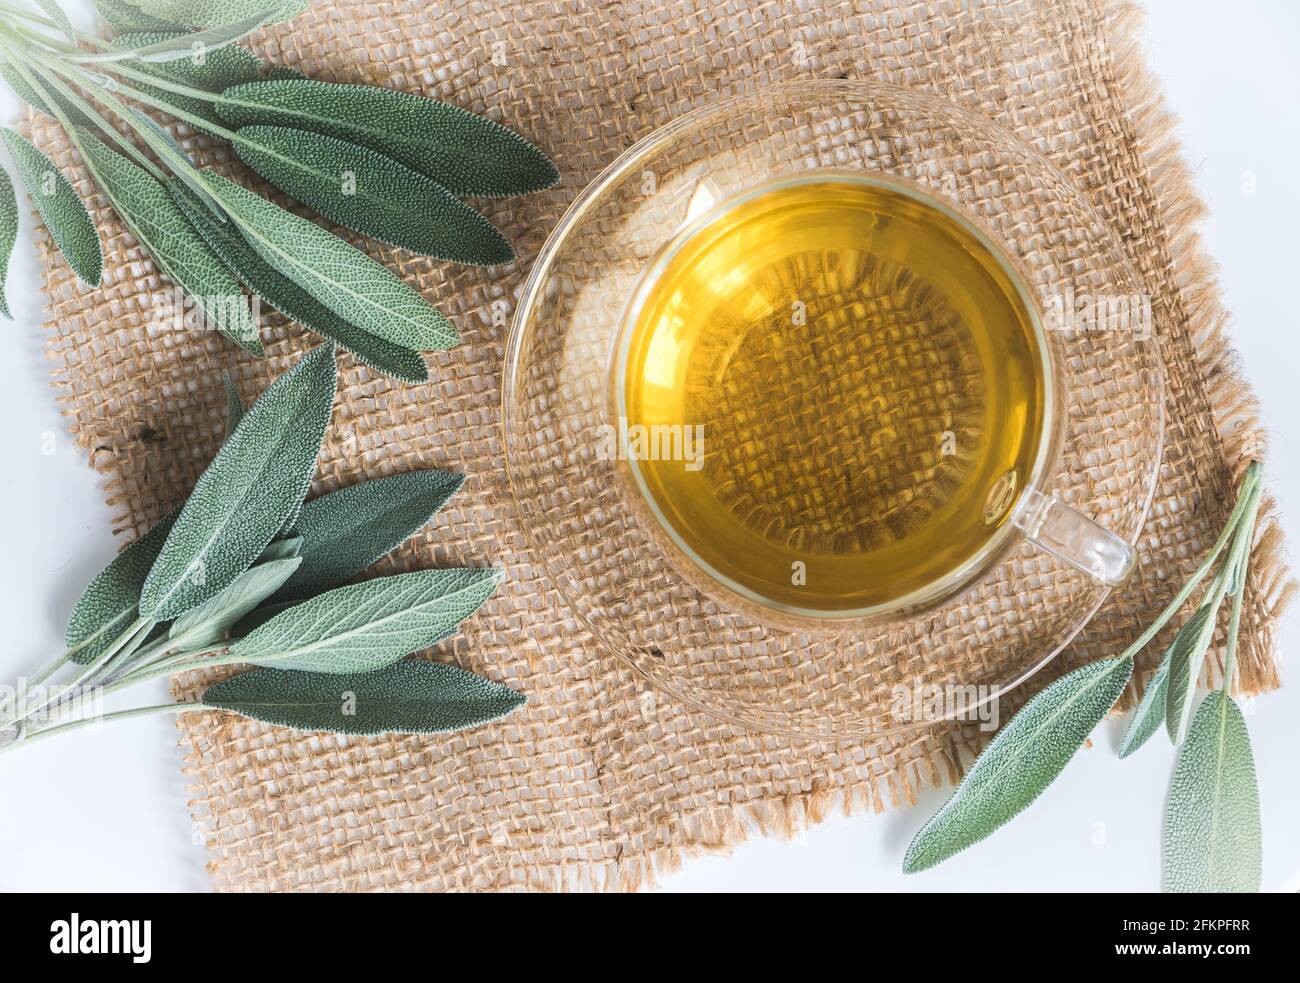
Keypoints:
(816, 447)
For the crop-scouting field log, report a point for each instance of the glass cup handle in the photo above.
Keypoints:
(1071, 536)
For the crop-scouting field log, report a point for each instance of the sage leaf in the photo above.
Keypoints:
(1021, 761)
(181, 45)
(345, 531)
(240, 502)
(55, 13)
(367, 192)
(409, 697)
(122, 16)
(199, 627)
(259, 616)
(366, 626)
(285, 72)
(1150, 712)
(292, 300)
(1212, 838)
(212, 70)
(219, 13)
(207, 68)
(8, 235)
(1186, 655)
(341, 277)
(465, 153)
(60, 207)
(284, 548)
(176, 247)
(234, 405)
(23, 89)
(110, 602)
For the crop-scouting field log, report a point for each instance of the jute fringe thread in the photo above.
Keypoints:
(286, 810)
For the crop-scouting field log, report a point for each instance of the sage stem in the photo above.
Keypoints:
(37, 735)
(1244, 495)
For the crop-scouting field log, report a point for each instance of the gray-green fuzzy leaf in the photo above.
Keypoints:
(218, 13)
(176, 247)
(110, 602)
(341, 277)
(256, 480)
(366, 626)
(199, 627)
(366, 191)
(218, 69)
(56, 14)
(8, 235)
(292, 300)
(1150, 712)
(234, 405)
(62, 210)
(465, 153)
(23, 89)
(212, 69)
(1186, 656)
(124, 17)
(1025, 757)
(181, 45)
(1212, 839)
(345, 531)
(282, 548)
(410, 697)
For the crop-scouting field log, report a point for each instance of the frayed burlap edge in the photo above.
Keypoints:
(1232, 402)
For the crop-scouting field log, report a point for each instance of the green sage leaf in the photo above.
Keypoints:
(1186, 656)
(367, 192)
(234, 405)
(122, 16)
(465, 153)
(60, 207)
(284, 548)
(176, 46)
(240, 502)
(199, 627)
(1212, 838)
(282, 72)
(1025, 757)
(341, 277)
(410, 697)
(219, 13)
(212, 69)
(366, 626)
(292, 300)
(176, 247)
(8, 235)
(111, 601)
(1150, 712)
(56, 14)
(345, 531)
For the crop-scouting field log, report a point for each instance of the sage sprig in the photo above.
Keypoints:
(241, 573)
(1212, 839)
(390, 165)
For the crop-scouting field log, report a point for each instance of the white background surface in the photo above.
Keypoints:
(106, 810)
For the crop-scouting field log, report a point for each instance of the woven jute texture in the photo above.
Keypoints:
(592, 786)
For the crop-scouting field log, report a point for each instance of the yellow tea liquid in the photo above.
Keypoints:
(831, 393)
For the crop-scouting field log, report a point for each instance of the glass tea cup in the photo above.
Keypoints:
(1062, 523)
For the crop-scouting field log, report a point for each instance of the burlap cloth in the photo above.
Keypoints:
(592, 785)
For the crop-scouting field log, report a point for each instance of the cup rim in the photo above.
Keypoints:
(591, 194)
(951, 582)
